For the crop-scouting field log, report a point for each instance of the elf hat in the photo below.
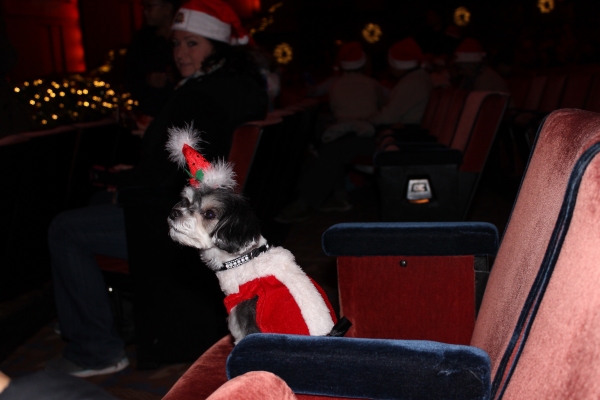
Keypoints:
(351, 56)
(405, 54)
(469, 50)
(183, 149)
(213, 19)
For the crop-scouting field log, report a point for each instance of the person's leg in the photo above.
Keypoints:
(82, 301)
(322, 178)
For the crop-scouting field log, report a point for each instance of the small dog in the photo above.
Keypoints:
(266, 290)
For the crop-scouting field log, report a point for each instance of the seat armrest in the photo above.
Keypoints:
(411, 239)
(366, 368)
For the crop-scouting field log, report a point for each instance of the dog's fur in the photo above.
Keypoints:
(222, 225)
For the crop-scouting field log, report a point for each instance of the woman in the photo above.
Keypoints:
(221, 90)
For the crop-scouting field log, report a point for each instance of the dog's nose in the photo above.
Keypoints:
(175, 213)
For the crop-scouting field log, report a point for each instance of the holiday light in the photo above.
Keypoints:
(283, 53)
(462, 16)
(545, 6)
(372, 33)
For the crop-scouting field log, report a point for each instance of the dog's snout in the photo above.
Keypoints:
(175, 213)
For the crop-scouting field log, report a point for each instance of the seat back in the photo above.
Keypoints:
(481, 108)
(576, 90)
(385, 270)
(437, 123)
(558, 355)
(243, 147)
(593, 100)
(452, 117)
(535, 93)
(430, 110)
(519, 88)
(563, 137)
(552, 93)
(484, 127)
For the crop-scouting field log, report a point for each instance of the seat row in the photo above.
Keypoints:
(434, 177)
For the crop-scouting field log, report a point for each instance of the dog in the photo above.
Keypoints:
(266, 291)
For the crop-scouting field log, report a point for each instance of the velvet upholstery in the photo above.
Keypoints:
(366, 368)
(535, 92)
(412, 239)
(552, 93)
(560, 357)
(593, 101)
(452, 116)
(243, 146)
(576, 90)
(431, 109)
(483, 132)
(437, 124)
(254, 385)
(518, 88)
(564, 136)
(404, 297)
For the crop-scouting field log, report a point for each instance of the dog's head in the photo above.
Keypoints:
(208, 218)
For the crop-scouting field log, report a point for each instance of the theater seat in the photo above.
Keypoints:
(537, 331)
(537, 321)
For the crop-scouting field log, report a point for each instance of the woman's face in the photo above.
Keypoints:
(189, 51)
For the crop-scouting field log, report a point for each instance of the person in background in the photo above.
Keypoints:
(406, 103)
(149, 66)
(353, 97)
(473, 73)
(322, 187)
(222, 88)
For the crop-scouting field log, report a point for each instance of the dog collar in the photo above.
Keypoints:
(236, 262)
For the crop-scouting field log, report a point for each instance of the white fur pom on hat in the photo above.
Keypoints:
(183, 149)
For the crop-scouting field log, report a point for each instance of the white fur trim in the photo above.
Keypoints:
(202, 24)
(469, 57)
(280, 263)
(407, 64)
(220, 175)
(356, 64)
(177, 138)
(240, 40)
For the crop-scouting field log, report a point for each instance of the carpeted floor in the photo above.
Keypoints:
(304, 241)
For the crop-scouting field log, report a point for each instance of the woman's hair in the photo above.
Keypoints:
(236, 60)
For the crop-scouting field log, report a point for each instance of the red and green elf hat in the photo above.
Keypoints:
(183, 149)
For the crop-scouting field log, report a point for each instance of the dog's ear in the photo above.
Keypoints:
(238, 227)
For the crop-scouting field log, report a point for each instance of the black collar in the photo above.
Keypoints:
(236, 262)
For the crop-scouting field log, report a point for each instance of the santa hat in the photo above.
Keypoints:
(183, 148)
(213, 19)
(469, 50)
(351, 56)
(405, 54)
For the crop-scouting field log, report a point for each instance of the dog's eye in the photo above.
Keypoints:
(209, 214)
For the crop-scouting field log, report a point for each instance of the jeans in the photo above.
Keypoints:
(82, 302)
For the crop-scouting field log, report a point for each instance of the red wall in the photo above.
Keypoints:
(46, 35)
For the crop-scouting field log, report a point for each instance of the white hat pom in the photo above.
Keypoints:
(220, 175)
(177, 138)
